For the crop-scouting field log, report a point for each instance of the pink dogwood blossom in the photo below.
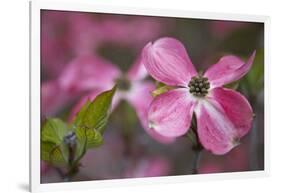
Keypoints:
(223, 115)
(132, 87)
(79, 76)
(86, 73)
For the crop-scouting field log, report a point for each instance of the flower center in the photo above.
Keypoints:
(199, 86)
(123, 84)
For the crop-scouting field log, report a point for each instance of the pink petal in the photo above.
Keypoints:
(167, 61)
(228, 69)
(87, 73)
(158, 137)
(170, 113)
(216, 132)
(137, 71)
(236, 107)
(140, 98)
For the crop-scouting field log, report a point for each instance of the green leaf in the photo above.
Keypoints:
(81, 114)
(94, 115)
(90, 122)
(54, 154)
(46, 148)
(86, 139)
(88, 126)
(54, 131)
(53, 150)
(90, 137)
(94, 138)
(161, 90)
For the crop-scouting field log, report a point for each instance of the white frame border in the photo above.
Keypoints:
(34, 144)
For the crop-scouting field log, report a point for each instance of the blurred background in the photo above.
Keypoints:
(83, 54)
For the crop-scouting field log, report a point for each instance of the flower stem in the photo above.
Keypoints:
(71, 173)
(196, 160)
(196, 146)
(72, 166)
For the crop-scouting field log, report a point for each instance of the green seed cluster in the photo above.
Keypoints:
(199, 86)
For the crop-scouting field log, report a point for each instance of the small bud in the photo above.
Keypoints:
(70, 138)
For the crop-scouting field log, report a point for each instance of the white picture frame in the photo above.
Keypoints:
(36, 6)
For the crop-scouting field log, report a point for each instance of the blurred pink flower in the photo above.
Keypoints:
(56, 49)
(149, 167)
(52, 98)
(80, 76)
(86, 73)
(133, 33)
(85, 33)
(223, 115)
(221, 29)
(67, 35)
(132, 87)
(88, 32)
